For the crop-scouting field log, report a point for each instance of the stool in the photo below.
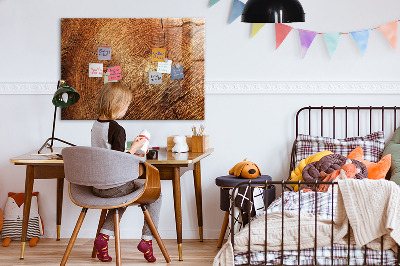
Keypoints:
(226, 183)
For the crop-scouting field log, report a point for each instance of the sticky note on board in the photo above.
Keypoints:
(106, 78)
(177, 72)
(158, 54)
(115, 73)
(155, 77)
(104, 53)
(95, 70)
(164, 67)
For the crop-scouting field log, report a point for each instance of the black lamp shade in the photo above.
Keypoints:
(273, 11)
(65, 96)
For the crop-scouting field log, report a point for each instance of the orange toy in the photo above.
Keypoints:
(375, 170)
(245, 169)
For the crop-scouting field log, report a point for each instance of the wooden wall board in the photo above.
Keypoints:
(131, 41)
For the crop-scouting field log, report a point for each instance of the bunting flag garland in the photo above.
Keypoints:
(389, 30)
(306, 39)
(281, 31)
(256, 27)
(213, 2)
(237, 9)
(332, 41)
(361, 37)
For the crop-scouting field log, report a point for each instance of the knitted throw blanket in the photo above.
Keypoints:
(373, 209)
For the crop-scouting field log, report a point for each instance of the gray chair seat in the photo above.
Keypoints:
(82, 195)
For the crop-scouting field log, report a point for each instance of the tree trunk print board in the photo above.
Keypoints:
(178, 96)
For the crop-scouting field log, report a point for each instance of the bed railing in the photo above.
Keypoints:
(265, 185)
(344, 118)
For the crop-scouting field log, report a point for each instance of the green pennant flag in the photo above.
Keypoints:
(213, 2)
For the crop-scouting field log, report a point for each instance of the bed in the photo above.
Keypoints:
(275, 237)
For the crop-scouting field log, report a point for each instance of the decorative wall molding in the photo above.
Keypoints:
(303, 87)
(249, 87)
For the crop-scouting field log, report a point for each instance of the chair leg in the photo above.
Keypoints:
(101, 222)
(73, 237)
(223, 229)
(154, 230)
(117, 239)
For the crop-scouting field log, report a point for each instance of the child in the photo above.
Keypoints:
(113, 102)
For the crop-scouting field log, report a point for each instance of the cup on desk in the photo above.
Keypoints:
(152, 155)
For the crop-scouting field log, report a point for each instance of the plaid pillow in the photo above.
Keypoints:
(372, 145)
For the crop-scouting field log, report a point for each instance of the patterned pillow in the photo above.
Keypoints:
(372, 144)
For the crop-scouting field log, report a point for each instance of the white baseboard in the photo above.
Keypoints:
(248, 87)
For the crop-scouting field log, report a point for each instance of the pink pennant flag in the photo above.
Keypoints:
(306, 39)
(281, 31)
(389, 30)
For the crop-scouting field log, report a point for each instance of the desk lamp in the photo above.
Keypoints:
(273, 11)
(64, 96)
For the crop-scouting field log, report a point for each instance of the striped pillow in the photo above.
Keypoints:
(372, 145)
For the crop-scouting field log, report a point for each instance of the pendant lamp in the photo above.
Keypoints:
(273, 11)
(63, 97)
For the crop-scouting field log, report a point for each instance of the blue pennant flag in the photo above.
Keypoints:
(361, 37)
(237, 9)
(213, 2)
(332, 41)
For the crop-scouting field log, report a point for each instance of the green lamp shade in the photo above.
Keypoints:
(65, 96)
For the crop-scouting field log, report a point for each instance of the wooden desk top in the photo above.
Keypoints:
(164, 157)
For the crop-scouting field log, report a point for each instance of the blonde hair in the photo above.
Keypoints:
(113, 97)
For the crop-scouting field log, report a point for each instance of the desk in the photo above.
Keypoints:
(171, 167)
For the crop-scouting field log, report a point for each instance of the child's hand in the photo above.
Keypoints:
(137, 144)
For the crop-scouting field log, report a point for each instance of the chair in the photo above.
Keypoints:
(85, 167)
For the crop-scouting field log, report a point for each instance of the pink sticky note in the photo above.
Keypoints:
(115, 73)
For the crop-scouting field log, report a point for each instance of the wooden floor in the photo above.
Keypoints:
(50, 252)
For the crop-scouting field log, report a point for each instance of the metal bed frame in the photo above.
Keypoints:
(283, 184)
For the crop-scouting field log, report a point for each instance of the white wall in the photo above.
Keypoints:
(259, 126)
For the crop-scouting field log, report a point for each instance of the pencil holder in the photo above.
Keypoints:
(200, 143)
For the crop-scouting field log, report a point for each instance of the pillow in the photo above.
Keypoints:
(372, 144)
(393, 148)
(375, 170)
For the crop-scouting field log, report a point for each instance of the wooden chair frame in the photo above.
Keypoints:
(150, 193)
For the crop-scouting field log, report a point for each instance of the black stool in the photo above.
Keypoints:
(226, 183)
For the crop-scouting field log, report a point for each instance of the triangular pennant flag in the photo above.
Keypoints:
(332, 41)
(281, 31)
(306, 39)
(361, 37)
(256, 28)
(237, 9)
(213, 2)
(390, 32)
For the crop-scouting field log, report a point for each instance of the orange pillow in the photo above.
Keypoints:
(375, 170)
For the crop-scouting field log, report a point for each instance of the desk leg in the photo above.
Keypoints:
(199, 204)
(60, 190)
(27, 206)
(176, 182)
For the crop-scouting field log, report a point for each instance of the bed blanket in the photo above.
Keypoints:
(371, 207)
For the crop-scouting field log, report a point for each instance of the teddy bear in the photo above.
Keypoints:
(13, 215)
(180, 144)
(245, 169)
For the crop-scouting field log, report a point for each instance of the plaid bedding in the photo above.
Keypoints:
(323, 207)
(372, 145)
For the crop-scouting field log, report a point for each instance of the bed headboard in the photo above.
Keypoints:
(344, 121)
